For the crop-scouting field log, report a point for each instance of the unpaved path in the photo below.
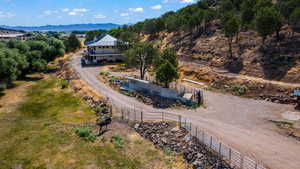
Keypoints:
(241, 123)
(237, 76)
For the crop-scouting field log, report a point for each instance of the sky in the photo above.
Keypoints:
(62, 12)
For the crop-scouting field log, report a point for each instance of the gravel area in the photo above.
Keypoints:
(244, 124)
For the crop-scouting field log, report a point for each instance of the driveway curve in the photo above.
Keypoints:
(243, 124)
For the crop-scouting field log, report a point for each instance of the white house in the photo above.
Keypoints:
(104, 48)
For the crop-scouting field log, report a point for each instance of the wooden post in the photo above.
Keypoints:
(122, 112)
(128, 116)
(141, 116)
(210, 142)
(242, 161)
(230, 155)
(196, 132)
(220, 146)
(179, 120)
(191, 127)
(163, 116)
(203, 137)
(134, 116)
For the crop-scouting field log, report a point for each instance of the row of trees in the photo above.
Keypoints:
(261, 15)
(145, 57)
(264, 16)
(20, 57)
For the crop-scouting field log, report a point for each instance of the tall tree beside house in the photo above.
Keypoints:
(166, 73)
(141, 55)
(91, 35)
(72, 43)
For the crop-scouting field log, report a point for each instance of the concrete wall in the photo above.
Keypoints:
(152, 89)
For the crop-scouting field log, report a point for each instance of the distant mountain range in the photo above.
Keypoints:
(63, 28)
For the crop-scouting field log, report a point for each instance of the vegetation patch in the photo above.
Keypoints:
(43, 133)
(86, 134)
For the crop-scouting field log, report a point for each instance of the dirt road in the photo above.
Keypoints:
(241, 123)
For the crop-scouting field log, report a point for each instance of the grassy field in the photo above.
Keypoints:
(38, 131)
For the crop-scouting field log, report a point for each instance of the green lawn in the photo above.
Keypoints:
(41, 134)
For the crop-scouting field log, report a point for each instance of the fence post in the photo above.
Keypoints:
(128, 116)
(210, 142)
(162, 116)
(220, 146)
(191, 127)
(179, 120)
(256, 165)
(142, 116)
(230, 155)
(242, 161)
(203, 137)
(122, 112)
(196, 132)
(134, 116)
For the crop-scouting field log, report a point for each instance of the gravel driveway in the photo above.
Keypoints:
(241, 123)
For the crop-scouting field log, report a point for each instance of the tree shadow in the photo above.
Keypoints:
(278, 59)
(31, 78)
(234, 65)
(276, 67)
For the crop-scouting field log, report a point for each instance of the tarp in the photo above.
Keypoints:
(296, 92)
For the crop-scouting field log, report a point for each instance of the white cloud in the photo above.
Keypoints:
(77, 11)
(124, 14)
(181, 1)
(72, 13)
(187, 1)
(80, 10)
(99, 16)
(156, 7)
(6, 15)
(51, 12)
(136, 9)
(65, 10)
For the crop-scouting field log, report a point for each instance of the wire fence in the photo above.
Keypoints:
(234, 157)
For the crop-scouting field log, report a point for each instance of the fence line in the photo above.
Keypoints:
(234, 157)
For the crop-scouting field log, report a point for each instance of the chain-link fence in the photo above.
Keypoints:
(234, 158)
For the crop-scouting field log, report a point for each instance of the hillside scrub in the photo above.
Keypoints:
(262, 29)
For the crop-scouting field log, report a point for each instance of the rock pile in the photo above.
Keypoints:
(165, 135)
(278, 99)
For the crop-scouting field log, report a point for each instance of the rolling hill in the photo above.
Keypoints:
(64, 28)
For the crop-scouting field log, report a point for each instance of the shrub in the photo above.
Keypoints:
(104, 73)
(239, 90)
(168, 151)
(101, 109)
(64, 84)
(118, 142)
(86, 134)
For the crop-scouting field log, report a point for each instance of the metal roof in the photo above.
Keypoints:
(106, 40)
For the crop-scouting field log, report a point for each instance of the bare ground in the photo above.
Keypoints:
(242, 123)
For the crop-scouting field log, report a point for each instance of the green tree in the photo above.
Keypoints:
(247, 12)
(170, 55)
(91, 35)
(166, 73)
(295, 20)
(72, 43)
(141, 55)
(231, 28)
(267, 22)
